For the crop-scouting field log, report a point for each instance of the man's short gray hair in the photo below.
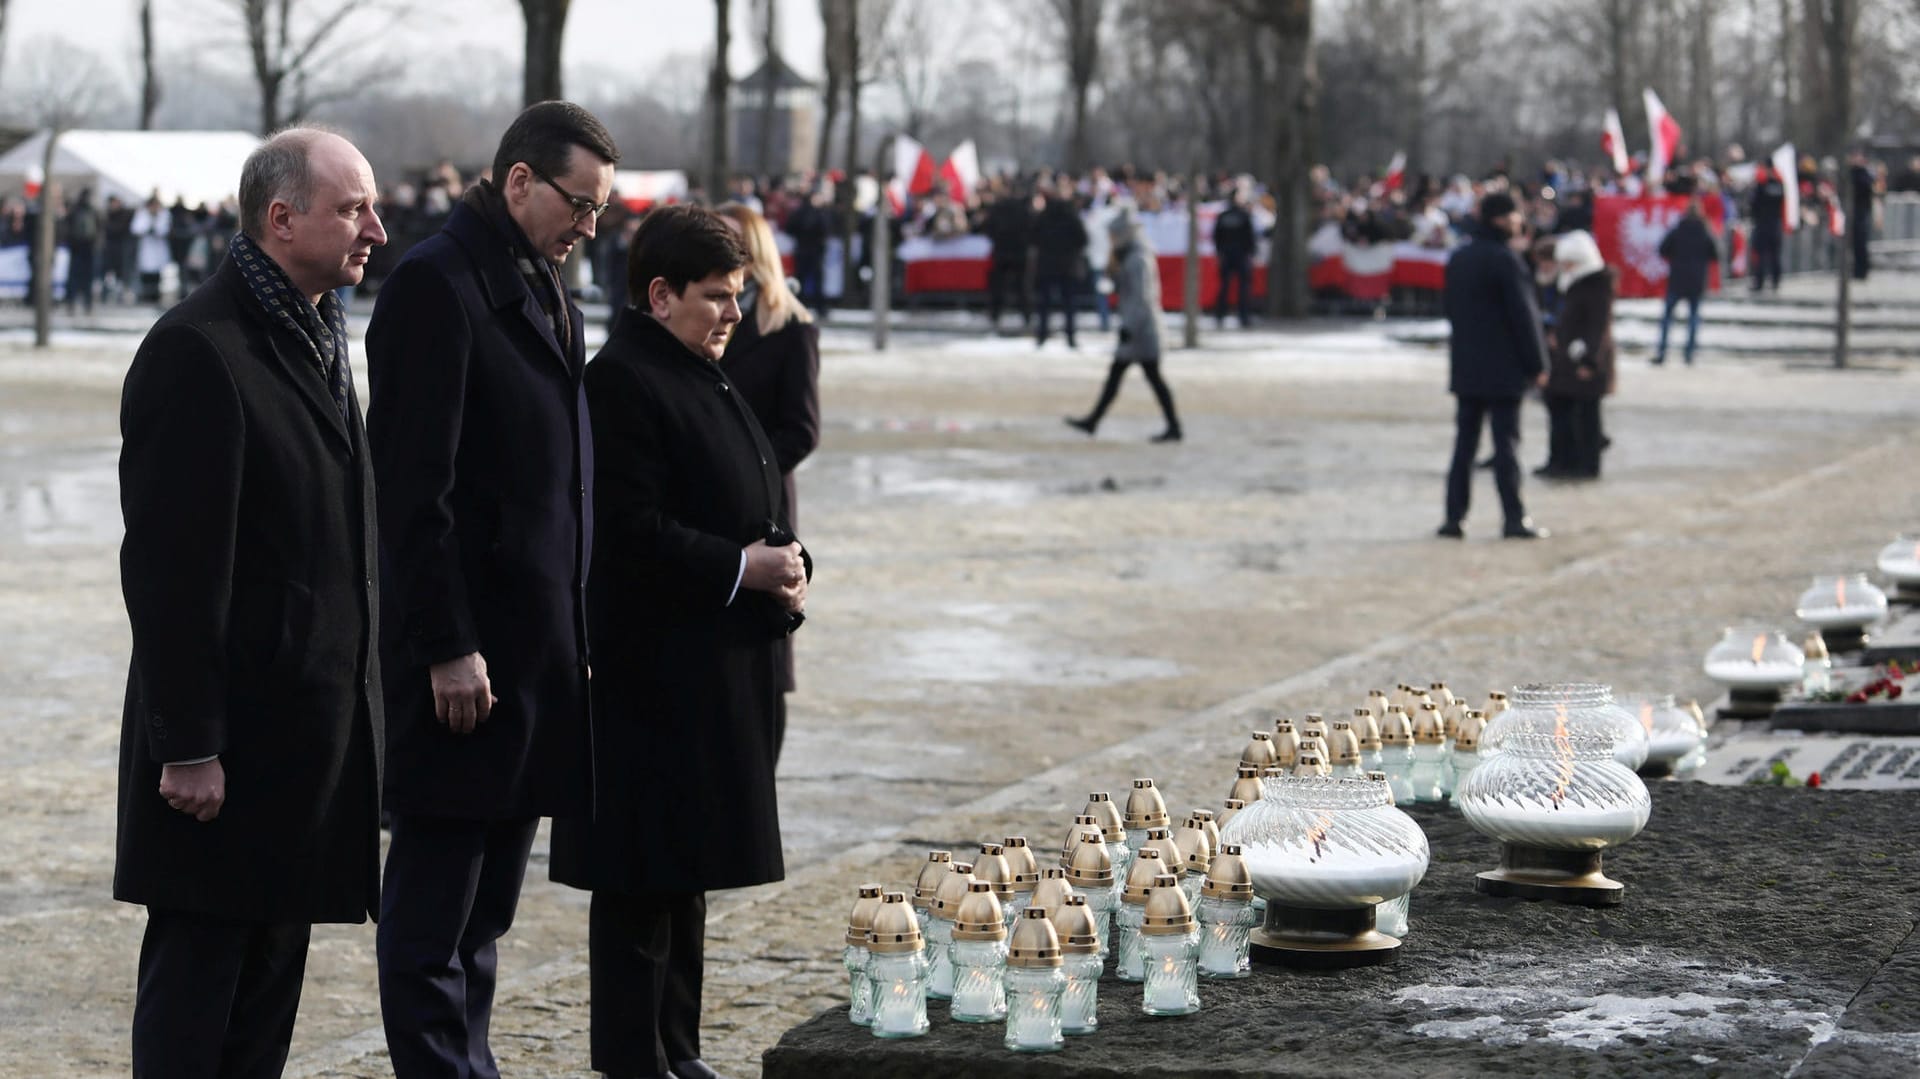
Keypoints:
(277, 171)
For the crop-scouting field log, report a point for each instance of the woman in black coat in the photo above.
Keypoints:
(773, 359)
(695, 579)
(1580, 363)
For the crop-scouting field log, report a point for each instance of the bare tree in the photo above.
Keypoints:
(833, 52)
(866, 22)
(1294, 88)
(918, 52)
(1833, 37)
(1080, 46)
(719, 81)
(62, 89)
(546, 30)
(304, 53)
(767, 16)
(149, 78)
(3, 34)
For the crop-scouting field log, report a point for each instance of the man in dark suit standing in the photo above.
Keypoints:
(248, 569)
(1496, 353)
(484, 451)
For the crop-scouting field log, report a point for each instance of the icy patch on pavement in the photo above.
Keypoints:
(982, 654)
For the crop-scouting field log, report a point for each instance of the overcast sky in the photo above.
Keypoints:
(600, 33)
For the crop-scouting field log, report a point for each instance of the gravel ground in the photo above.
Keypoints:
(1006, 615)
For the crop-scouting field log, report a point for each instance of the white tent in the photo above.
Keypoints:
(199, 166)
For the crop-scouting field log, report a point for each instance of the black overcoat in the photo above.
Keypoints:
(779, 375)
(249, 574)
(1691, 254)
(483, 447)
(686, 683)
(1496, 349)
(1586, 316)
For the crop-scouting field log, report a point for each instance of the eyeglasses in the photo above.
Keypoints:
(582, 207)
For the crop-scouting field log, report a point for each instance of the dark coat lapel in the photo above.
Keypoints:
(504, 287)
(292, 356)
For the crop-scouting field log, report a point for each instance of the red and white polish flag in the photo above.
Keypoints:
(1613, 142)
(961, 171)
(912, 172)
(1786, 165)
(1665, 132)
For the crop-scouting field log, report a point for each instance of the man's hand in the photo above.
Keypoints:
(1540, 379)
(462, 696)
(792, 597)
(198, 790)
(770, 569)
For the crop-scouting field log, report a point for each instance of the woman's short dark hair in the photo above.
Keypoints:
(544, 136)
(682, 244)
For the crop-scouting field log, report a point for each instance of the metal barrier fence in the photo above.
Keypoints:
(1809, 250)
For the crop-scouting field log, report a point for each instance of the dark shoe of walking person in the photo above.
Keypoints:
(693, 1069)
(1171, 434)
(1451, 530)
(1524, 528)
(1082, 423)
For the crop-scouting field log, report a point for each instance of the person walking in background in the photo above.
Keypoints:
(1009, 227)
(1233, 244)
(698, 577)
(250, 744)
(1136, 281)
(149, 228)
(810, 223)
(1860, 185)
(83, 247)
(117, 252)
(1059, 258)
(1495, 354)
(1766, 208)
(485, 459)
(773, 358)
(1691, 255)
(1580, 370)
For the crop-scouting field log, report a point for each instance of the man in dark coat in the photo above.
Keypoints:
(698, 577)
(1059, 258)
(1233, 243)
(1766, 206)
(1860, 184)
(1009, 228)
(810, 223)
(1691, 255)
(484, 453)
(1496, 354)
(248, 569)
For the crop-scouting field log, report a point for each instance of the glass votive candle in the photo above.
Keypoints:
(1170, 945)
(897, 970)
(1035, 984)
(856, 956)
(939, 863)
(1226, 916)
(979, 958)
(1133, 914)
(1080, 960)
(941, 912)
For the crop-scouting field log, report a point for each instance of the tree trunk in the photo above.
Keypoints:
(843, 195)
(1190, 276)
(718, 83)
(1296, 84)
(43, 255)
(546, 30)
(150, 79)
(1839, 22)
(830, 60)
(269, 104)
(1788, 114)
(3, 33)
(1413, 104)
(1619, 45)
(769, 95)
(1700, 76)
(1083, 53)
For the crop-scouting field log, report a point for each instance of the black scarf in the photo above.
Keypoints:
(323, 329)
(540, 274)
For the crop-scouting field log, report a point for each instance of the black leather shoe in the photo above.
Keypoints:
(1524, 529)
(1171, 434)
(1451, 530)
(1079, 423)
(693, 1069)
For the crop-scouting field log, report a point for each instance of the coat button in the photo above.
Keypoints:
(721, 388)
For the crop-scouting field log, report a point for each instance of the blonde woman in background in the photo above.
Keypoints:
(774, 362)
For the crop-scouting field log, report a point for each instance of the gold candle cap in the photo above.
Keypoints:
(1311, 763)
(1026, 868)
(1196, 853)
(1428, 728)
(1145, 807)
(1343, 744)
(1259, 751)
(1282, 725)
(1203, 819)
(895, 929)
(1082, 824)
(939, 863)
(1396, 729)
(1092, 866)
(1234, 805)
(1075, 925)
(1815, 646)
(1147, 864)
(1167, 911)
(1228, 876)
(1314, 725)
(1101, 808)
(1035, 942)
(1246, 783)
(1279, 770)
(951, 890)
(1052, 890)
(1286, 742)
(980, 915)
(1173, 860)
(991, 865)
(1496, 703)
(1366, 726)
(1441, 695)
(860, 918)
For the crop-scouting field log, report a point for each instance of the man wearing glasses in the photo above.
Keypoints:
(484, 463)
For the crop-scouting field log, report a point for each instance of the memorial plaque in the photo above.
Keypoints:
(1898, 638)
(1847, 763)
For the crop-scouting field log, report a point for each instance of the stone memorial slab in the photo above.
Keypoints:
(1766, 931)
(1897, 638)
(1877, 715)
(1841, 762)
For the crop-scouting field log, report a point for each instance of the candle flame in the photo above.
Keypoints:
(1759, 646)
(1167, 965)
(1840, 592)
(1646, 715)
(1563, 749)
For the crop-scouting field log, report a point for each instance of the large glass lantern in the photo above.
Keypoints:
(1900, 563)
(1555, 801)
(1754, 656)
(1672, 732)
(1324, 853)
(1544, 707)
(1841, 606)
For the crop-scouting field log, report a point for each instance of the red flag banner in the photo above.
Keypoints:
(1629, 231)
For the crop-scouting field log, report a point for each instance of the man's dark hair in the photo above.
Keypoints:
(682, 244)
(544, 137)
